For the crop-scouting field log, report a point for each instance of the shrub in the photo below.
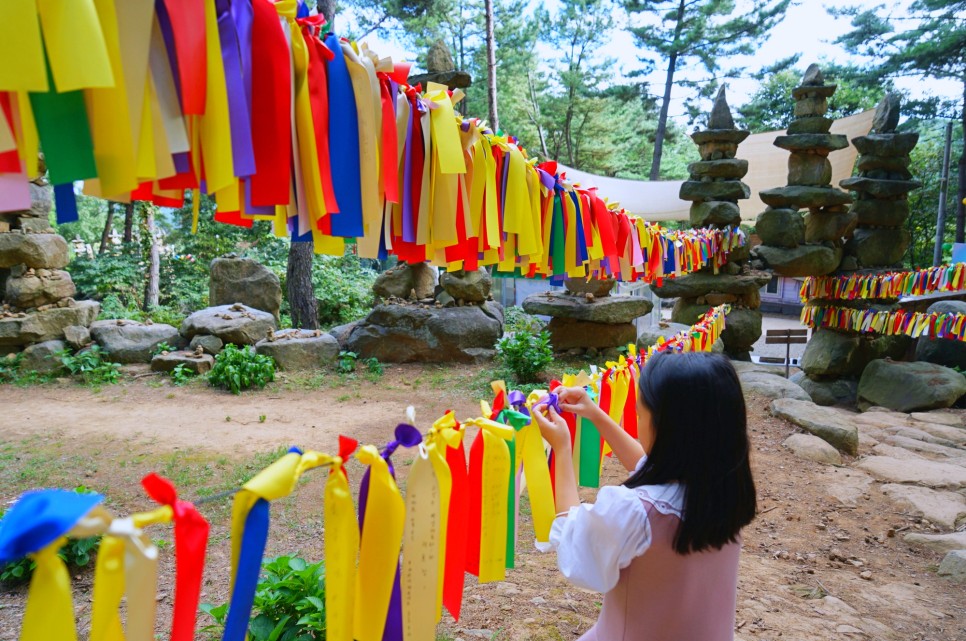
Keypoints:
(525, 355)
(181, 375)
(289, 602)
(240, 369)
(373, 366)
(516, 320)
(160, 348)
(347, 362)
(343, 287)
(76, 554)
(91, 365)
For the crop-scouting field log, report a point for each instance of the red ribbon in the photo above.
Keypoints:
(188, 26)
(190, 540)
(456, 531)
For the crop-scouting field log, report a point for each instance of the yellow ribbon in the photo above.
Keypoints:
(379, 552)
(75, 42)
(215, 123)
(421, 573)
(49, 613)
(20, 41)
(108, 591)
(537, 474)
(341, 551)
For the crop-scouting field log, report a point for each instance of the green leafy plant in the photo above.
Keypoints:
(289, 602)
(525, 355)
(347, 362)
(373, 366)
(516, 320)
(238, 369)
(343, 287)
(76, 553)
(160, 348)
(181, 375)
(91, 365)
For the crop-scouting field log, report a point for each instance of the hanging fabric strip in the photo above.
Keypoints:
(341, 547)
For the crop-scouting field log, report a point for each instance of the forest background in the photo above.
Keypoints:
(604, 86)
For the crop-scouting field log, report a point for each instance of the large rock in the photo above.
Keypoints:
(832, 354)
(810, 125)
(35, 288)
(567, 333)
(918, 471)
(742, 329)
(698, 190)
(804, 260)
(77, 336)
(813, 448)
(703, 283)
(827, 424)
(886, 144)
(809, 169)
(804, 197)
(812, 142)
(236, 324)
(878, 188)
(40, 251)
(909, 387)
(471, 287)
(733, 168)
(940, 507)
(840, 391)
(194, 362)
(832, 226)
(37, 327)
(607, 310)
(714, 212)
(425, 278)
(401, 333)
(770, 386)
(42, 357)
(651, 335)
(208, 344)
(881, 213)
(341, 333)
(599, 288)
(943, 351)
(687, 312)
(295, 349)
(131, 342)
(245, 281)
(397, 282)
(879, 247)
(938, 542)
(953, 566)
(780, 227)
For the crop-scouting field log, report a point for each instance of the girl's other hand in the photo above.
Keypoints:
(553, 427)
(576, 400)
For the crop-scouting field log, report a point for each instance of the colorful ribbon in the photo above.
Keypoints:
(886, 285)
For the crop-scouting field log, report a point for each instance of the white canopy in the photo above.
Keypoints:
(767, 168)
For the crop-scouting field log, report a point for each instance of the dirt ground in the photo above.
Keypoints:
(803, 570)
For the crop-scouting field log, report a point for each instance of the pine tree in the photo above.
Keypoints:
(705, 32)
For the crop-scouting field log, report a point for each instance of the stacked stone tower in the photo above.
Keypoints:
(38, 311)
(714, 189)
(809, 246)
(882, 190)
(833, 360)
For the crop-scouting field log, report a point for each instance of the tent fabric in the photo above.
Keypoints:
(767, 168)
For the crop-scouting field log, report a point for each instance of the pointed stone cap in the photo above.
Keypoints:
(886, 117)
(720, 117)
(813, 83)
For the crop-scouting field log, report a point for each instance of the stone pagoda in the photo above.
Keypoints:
(714, 189)
(39, 315)
(882, 189)
(809, 246)
(834, 360)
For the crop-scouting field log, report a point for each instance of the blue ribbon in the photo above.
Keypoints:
(344, 141)
(66, 203)
(246, 577)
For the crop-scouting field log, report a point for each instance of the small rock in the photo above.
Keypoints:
(938, 542)
(866, 575)
(197, 363)
(813, 448)
(953, 566)
(209, 344)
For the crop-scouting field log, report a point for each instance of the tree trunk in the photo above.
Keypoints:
(301, 297)
(129, 222)
(960, 204)
(491, 67)
(666, 102)
(108, 227)
(152, 286)
(327, 9)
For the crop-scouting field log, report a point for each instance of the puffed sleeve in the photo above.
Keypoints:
(594, 542)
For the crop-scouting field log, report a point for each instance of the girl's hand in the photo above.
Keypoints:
(553, 427)
(576, 400)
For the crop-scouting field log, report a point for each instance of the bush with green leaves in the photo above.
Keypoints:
(525, 355)
(91, 365)
(516, 320)
(76, 553)
(343, 286)
(181, 374)
(240, 368)
(160, 348)
(289, 602)
(346, 364)
(373, 366)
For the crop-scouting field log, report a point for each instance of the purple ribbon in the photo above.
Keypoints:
(408, 229)
(551, 400)
(244, 16)
(243, 154)
(406, 436)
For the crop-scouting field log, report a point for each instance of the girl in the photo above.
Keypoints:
(663, 547)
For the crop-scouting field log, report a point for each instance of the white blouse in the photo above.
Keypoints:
(595, 541)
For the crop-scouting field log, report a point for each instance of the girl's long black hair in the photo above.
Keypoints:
(698, 413)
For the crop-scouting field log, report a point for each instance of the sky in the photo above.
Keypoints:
(807, 29)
